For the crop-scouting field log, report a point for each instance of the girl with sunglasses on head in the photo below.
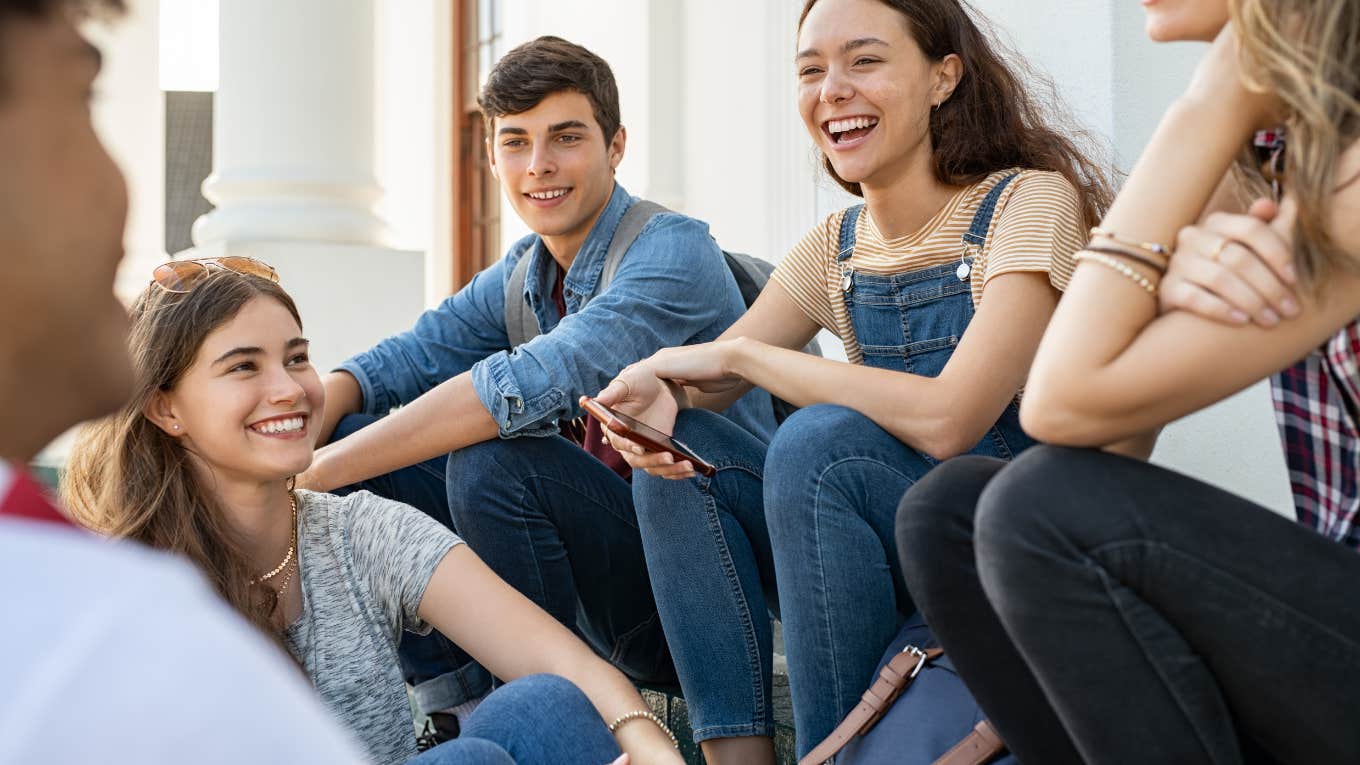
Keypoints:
(939, 285)
(200, 463)
(1105, 610)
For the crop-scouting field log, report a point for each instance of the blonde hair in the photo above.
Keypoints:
(1308, 55)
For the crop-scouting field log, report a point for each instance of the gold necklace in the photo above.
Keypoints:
(292, 545)
(284, 587)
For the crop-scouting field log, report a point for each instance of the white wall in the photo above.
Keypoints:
(129, 115)
(405, 130)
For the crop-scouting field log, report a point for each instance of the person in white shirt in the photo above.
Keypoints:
(109, 653)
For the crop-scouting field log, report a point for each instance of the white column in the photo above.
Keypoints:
(293, 127)
(293, 169)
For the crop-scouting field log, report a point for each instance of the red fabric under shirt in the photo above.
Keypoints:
(24, 498)
(593, 439)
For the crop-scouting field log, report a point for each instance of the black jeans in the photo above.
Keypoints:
(1105, 610)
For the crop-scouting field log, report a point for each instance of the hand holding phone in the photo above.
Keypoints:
(644, 435)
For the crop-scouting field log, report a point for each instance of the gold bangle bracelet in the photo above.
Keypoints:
(1119, 266)
(644, 714)
(1139, 257)
(1152, 247)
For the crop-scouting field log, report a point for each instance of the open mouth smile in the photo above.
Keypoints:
(283, 426)
(548, 197)
(846, 132)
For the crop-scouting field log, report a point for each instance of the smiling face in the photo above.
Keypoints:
(865, 89)
(556, 167)
(1177, 20)
(247, 407)
(63, 203)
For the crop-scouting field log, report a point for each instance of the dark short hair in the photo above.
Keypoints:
(537, 69)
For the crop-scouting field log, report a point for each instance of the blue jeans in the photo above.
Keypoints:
(554, 523)
(816, 508)
(535, 719)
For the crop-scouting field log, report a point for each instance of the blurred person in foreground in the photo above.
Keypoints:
(110, 653)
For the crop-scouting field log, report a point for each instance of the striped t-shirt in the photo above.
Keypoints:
(1037, 227)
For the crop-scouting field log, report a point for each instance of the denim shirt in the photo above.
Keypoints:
(672, 288)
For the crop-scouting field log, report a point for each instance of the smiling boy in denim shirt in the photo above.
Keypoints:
(486, 439)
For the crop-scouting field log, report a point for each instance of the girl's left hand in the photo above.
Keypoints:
(1233, 269)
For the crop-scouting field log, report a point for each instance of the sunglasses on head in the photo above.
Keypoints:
(181, 276)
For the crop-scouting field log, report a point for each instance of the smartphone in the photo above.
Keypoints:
(645, 435)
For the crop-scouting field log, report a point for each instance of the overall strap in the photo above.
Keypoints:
(982, 220)
(846, 246)
(521, 325)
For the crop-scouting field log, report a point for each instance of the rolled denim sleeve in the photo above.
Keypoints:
(671, 289)
(445, 342)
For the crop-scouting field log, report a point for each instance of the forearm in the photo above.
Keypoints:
(522, 639)
(919, 411)
(713, 402)
(1103, 313)
(343, 397)
(445, 419)
(614, 696)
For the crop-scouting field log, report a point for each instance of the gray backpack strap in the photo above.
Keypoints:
(632, 223)
(521, 325)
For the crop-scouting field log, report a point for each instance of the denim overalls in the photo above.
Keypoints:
(911, 322)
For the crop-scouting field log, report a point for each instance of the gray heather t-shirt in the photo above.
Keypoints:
(365, 564)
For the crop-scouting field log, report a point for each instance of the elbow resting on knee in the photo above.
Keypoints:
(1057, 422)
(949, 437)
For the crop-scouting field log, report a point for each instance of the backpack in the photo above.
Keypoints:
(751, 274)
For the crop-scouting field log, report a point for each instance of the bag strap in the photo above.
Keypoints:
(977, 748)
(980, 746)
(895, 677)
(521, 325)
(630, 225)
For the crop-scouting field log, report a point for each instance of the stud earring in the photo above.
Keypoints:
(177, 426)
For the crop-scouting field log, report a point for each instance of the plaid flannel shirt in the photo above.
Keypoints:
(1317, 407)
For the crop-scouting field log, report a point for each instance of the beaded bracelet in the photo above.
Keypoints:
(1152, 247)
(644, 714)
(1122, 268)
(1156, 265)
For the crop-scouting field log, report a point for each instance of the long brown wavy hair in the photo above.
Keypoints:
(127, 478)
(1308, 55)
(992, 121)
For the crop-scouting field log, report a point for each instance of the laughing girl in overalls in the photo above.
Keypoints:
(939, 285)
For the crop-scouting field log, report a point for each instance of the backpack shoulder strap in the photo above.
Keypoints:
(521, 325)
(845, 247)
(976, 235)
(630, 225)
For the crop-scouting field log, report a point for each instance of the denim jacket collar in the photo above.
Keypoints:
(585, 270)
